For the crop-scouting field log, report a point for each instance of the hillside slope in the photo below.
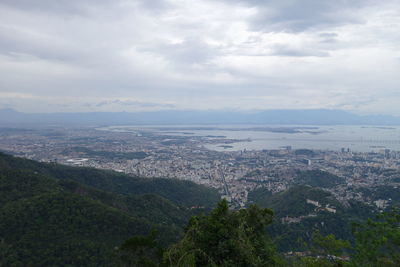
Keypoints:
(48, 218)
(302, 209)
(180, 192)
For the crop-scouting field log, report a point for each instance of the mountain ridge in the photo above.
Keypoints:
(168, 117)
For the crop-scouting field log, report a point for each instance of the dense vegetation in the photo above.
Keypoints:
(179, 192)
(52, 215)
(292, 204)
(225, 238)
(318, 178)
(238, 238)
(386, 192)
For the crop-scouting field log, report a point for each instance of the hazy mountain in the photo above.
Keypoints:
(314, 117)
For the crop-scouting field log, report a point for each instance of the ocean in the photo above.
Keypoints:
(257, 137)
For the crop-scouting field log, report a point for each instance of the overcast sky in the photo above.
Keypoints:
(129, 55)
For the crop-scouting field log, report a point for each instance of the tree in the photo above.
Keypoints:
(225, 238)
(377, 242)
(8, 256)
(139, 250)
(328, 245)
(325, 251)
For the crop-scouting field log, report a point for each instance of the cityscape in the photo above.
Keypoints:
(200, 133)
(146, 153)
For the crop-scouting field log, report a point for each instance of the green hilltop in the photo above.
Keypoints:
(302, 209)
(318, 178)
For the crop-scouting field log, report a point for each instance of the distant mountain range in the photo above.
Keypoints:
(310, 117)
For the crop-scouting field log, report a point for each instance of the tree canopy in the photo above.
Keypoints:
(225, 238)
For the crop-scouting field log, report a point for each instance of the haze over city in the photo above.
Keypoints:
(86, 56)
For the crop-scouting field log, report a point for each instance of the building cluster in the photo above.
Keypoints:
(235, 173)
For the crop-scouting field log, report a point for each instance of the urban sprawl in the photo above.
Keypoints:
(151, 153)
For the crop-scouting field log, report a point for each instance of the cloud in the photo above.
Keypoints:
(136, 104)
(328, 37)
(188, 51)
(285, 50)
(82, 8)
(63, 7)
(298, 16)
(155, 5)
(117, 54)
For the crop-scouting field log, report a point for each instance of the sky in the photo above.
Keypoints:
(144, 55)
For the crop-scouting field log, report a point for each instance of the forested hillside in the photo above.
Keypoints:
(53, 215)
(57, 215)
(178, 191)
(303, 209)
(318, 178)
